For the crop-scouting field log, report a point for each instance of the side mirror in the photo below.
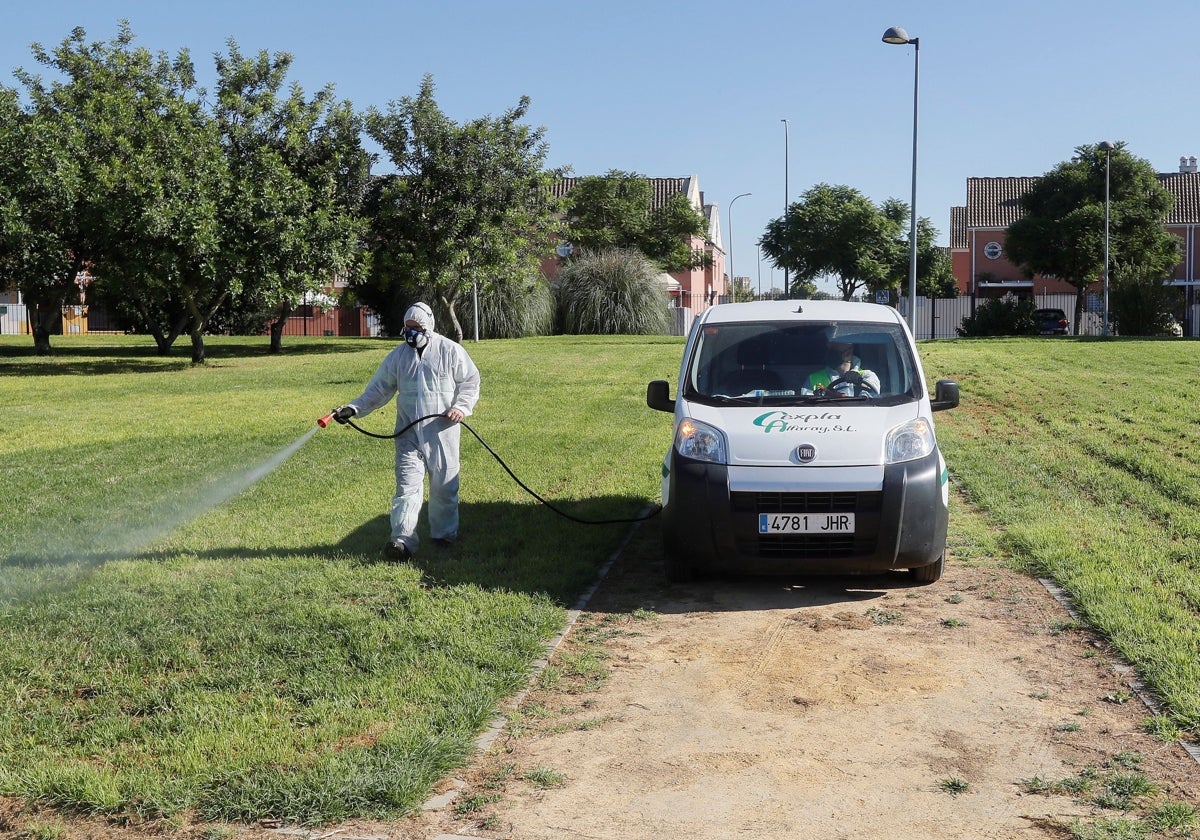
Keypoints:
(945, 395)
(658, 396)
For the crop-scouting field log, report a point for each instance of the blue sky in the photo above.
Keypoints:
(669, 88)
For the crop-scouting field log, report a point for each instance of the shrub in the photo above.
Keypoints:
(611, 292)
(1001, 316)
(1142, 307)
(510, 309)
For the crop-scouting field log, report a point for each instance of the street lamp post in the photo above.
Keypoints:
(732, 276)
(1107, 148)
(760, 270)
(786, 197)
(897, 35)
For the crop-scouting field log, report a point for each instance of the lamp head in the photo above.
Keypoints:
(1106, 146)
(896, 35)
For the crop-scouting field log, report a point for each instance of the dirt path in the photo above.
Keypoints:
(847, 708)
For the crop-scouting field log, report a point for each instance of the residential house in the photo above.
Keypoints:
(978, 229)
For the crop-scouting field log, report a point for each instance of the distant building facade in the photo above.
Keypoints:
(978, 231)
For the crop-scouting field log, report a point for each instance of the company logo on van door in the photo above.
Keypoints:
(787, 421)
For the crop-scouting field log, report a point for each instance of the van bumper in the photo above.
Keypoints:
(900, 519)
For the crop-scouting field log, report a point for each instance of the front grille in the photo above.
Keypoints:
(845, 502)
(807, 545)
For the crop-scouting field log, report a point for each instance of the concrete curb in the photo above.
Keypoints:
(1130, 674)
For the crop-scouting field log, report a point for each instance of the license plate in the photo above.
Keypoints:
(806, 523)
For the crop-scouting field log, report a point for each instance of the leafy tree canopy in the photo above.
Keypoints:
(175, 205)
(616, 210)
(1061, 230)
(467, 204)
(834, 231)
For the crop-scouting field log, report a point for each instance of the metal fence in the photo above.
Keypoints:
(13, 319)
(941, 317)
(935, 317)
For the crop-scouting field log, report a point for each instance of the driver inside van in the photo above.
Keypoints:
(842, 376)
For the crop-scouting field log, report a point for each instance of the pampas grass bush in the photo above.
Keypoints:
(510, 309)
(611, 292)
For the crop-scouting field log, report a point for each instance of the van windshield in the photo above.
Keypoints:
(786, 362)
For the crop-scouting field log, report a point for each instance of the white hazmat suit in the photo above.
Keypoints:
(434, 379)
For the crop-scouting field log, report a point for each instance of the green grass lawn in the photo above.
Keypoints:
(192, 620)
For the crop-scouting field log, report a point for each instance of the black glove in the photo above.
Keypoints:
(851, 376)
(342, 414)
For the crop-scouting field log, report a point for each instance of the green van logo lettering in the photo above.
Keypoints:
(786, 421)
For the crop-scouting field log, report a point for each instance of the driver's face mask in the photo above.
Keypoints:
(415, 338)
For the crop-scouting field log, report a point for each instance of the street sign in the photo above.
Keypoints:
(881, 296)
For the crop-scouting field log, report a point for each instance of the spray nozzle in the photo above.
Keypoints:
(324, 421)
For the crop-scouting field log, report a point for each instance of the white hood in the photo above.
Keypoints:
(844, 434)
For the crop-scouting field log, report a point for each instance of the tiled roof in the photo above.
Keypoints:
(958, 228)
(661, 189)
(992, 202)
(1185, 186)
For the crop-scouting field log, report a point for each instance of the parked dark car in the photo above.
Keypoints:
(1051, 322)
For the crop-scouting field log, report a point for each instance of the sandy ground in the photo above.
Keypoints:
(817, 708)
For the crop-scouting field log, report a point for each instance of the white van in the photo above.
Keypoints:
(796, 455)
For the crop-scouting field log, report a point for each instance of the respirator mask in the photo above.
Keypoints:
(417, 339)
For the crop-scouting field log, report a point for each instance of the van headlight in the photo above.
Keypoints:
(700, 441)
(909, 442)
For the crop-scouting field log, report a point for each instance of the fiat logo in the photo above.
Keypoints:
(806, 452)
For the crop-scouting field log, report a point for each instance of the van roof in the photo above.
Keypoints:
(801, 310)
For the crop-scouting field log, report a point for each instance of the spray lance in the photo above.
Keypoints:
(345, 420)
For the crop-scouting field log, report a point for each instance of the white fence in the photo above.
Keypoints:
(941, 317)
(12, 318)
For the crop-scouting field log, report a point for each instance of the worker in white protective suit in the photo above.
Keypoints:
(428, 374)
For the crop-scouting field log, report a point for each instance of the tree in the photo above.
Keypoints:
(468, 204)
(615, 211)
(1140, 305)
(1061, 230)
(835, 230)
(935, 273)
(178, 211)
(42, 245)
(290, 219)
(150, 171)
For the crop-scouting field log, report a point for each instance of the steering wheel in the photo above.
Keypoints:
(850, 377)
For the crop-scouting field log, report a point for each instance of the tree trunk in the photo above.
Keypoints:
(1080, 297)
(456, 327)
(277, 326)
(45, 323)
(161, 341)
(197, 346)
